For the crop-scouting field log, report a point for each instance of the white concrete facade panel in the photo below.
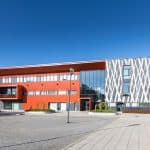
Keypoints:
(139, 83)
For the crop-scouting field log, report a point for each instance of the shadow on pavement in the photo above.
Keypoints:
(10, 113)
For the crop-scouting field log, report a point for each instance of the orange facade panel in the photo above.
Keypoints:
(40, 101)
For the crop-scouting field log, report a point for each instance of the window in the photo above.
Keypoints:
(13, 91)
(43, 92)
(65, 77)
(52, 92)
(31, 93)
(126, 79)
(38, 78)
(17, 80)
(37, 92)
(76, 77)
(126, 88)
(13, 79)
(48, 77)
(73, 77)
(60, 77)
(24, 79)
(55, 78)
(0, 80)
(5, 80)
(92, 84)
(34, 78)
(9, 80)
(7, 105)
(45, 78)
(73, 92)
(8, 91)
(42, 78)
(58, 106)
(27, 79)
(126, 71)
(62, 92)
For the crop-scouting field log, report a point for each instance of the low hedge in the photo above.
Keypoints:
(105, 111)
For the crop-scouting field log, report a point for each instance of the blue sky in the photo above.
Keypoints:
(50, 31)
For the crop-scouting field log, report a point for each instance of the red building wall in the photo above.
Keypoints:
(43, 100)
(40, 101)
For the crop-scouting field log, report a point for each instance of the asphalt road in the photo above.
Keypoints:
(50, 132)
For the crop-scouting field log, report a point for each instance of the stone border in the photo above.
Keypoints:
(101, 114)
(37, 113)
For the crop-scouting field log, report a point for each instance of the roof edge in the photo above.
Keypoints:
(52, 64)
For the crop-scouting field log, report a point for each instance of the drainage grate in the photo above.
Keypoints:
(134, 125)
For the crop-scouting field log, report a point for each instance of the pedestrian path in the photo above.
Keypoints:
(128, 132)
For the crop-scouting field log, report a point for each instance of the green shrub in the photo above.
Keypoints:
(106, 111)
(102, 106)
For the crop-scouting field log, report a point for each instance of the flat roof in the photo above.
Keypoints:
(53, 68)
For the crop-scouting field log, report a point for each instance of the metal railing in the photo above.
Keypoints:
(7, 96)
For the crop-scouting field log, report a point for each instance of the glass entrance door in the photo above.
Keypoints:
(8, 105)
(12, 105)
(84, 105)
(16, 106)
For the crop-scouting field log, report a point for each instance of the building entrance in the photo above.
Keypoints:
(10, 105)
(120, 106)
(85, 104)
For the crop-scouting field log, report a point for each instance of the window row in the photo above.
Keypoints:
(8, 91)
(94, 78)
(38, 78)
(126, 79)
(50, 92)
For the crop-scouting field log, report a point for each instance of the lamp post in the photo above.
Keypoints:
(71, 70)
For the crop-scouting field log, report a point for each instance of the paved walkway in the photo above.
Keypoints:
(128, 132)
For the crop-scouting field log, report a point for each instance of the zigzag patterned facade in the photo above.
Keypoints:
(139, 84)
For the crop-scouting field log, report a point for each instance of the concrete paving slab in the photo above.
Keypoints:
(129, 132)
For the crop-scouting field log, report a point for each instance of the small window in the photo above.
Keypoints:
(73, 92)
(8, 91)
(38, 78)
(62, 92)
(126, 71)
(37, 92)
(0, 80)
(48, 78)
(65, 77)
(43, 92)
(45, 78)
(52, 92)
(13, 91)
(61, 77)
(31, 93)
(55, 78)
